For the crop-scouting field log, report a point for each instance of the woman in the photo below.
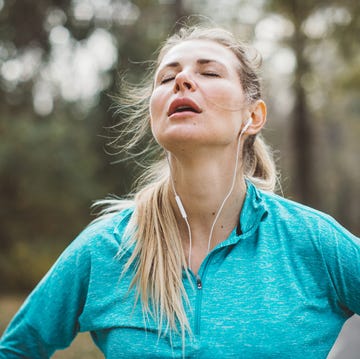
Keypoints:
(206, 261)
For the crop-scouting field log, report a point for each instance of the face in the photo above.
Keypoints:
(197, 98)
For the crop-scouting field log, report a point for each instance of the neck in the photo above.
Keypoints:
(203, 184)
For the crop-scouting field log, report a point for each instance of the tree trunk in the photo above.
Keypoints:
(302, 130)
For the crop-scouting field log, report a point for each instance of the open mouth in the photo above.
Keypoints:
(183, 105)
(184, 109)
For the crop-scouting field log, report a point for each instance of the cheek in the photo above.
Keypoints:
(155, 108)
(157, 105)
(225, 99)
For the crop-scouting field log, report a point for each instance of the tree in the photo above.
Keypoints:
(54, 116)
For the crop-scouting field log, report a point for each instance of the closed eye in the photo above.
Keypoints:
(167, 79)
(211, 74)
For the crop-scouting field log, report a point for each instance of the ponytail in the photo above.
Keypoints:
(258, 163)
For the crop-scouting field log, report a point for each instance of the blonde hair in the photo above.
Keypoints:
(158, 255)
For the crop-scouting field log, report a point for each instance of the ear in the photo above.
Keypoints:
(258, 115)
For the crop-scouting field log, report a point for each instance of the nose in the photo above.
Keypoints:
(183, 82)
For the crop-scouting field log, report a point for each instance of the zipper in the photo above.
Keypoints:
(198, 304)
(199, 279)
(198, 282)
(199, 292)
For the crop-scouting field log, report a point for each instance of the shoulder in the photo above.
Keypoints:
(317, 246)
(313, 235)
(302, 219)
(112, 224)
(103, 235)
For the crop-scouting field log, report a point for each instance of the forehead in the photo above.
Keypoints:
(192, 50)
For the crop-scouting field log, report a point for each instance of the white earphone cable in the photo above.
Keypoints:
(182, 209)
(182, 212)
(227, 196)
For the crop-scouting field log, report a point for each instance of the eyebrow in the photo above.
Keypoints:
(207, 61)
(199, 61)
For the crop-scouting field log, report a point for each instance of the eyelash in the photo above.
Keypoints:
(170, 78)
(211, 74)
(167, 79)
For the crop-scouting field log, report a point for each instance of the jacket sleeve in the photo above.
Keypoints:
(48, 319)
(341, 254)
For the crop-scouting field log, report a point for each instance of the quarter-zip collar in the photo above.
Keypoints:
(252, 212)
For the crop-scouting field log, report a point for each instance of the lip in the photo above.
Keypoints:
(185, 101)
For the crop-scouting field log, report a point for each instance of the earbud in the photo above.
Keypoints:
(246, 125)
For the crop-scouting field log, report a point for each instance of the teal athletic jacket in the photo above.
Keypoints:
(281, 286)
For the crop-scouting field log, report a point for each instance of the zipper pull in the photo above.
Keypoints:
(198, 282)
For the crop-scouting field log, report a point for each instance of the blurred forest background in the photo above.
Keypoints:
(60, 62)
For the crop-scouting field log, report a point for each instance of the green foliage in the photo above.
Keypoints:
(53, 165)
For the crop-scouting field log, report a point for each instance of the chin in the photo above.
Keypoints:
(179, 134)
(189, 136)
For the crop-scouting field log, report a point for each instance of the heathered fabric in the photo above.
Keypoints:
(281, 287)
